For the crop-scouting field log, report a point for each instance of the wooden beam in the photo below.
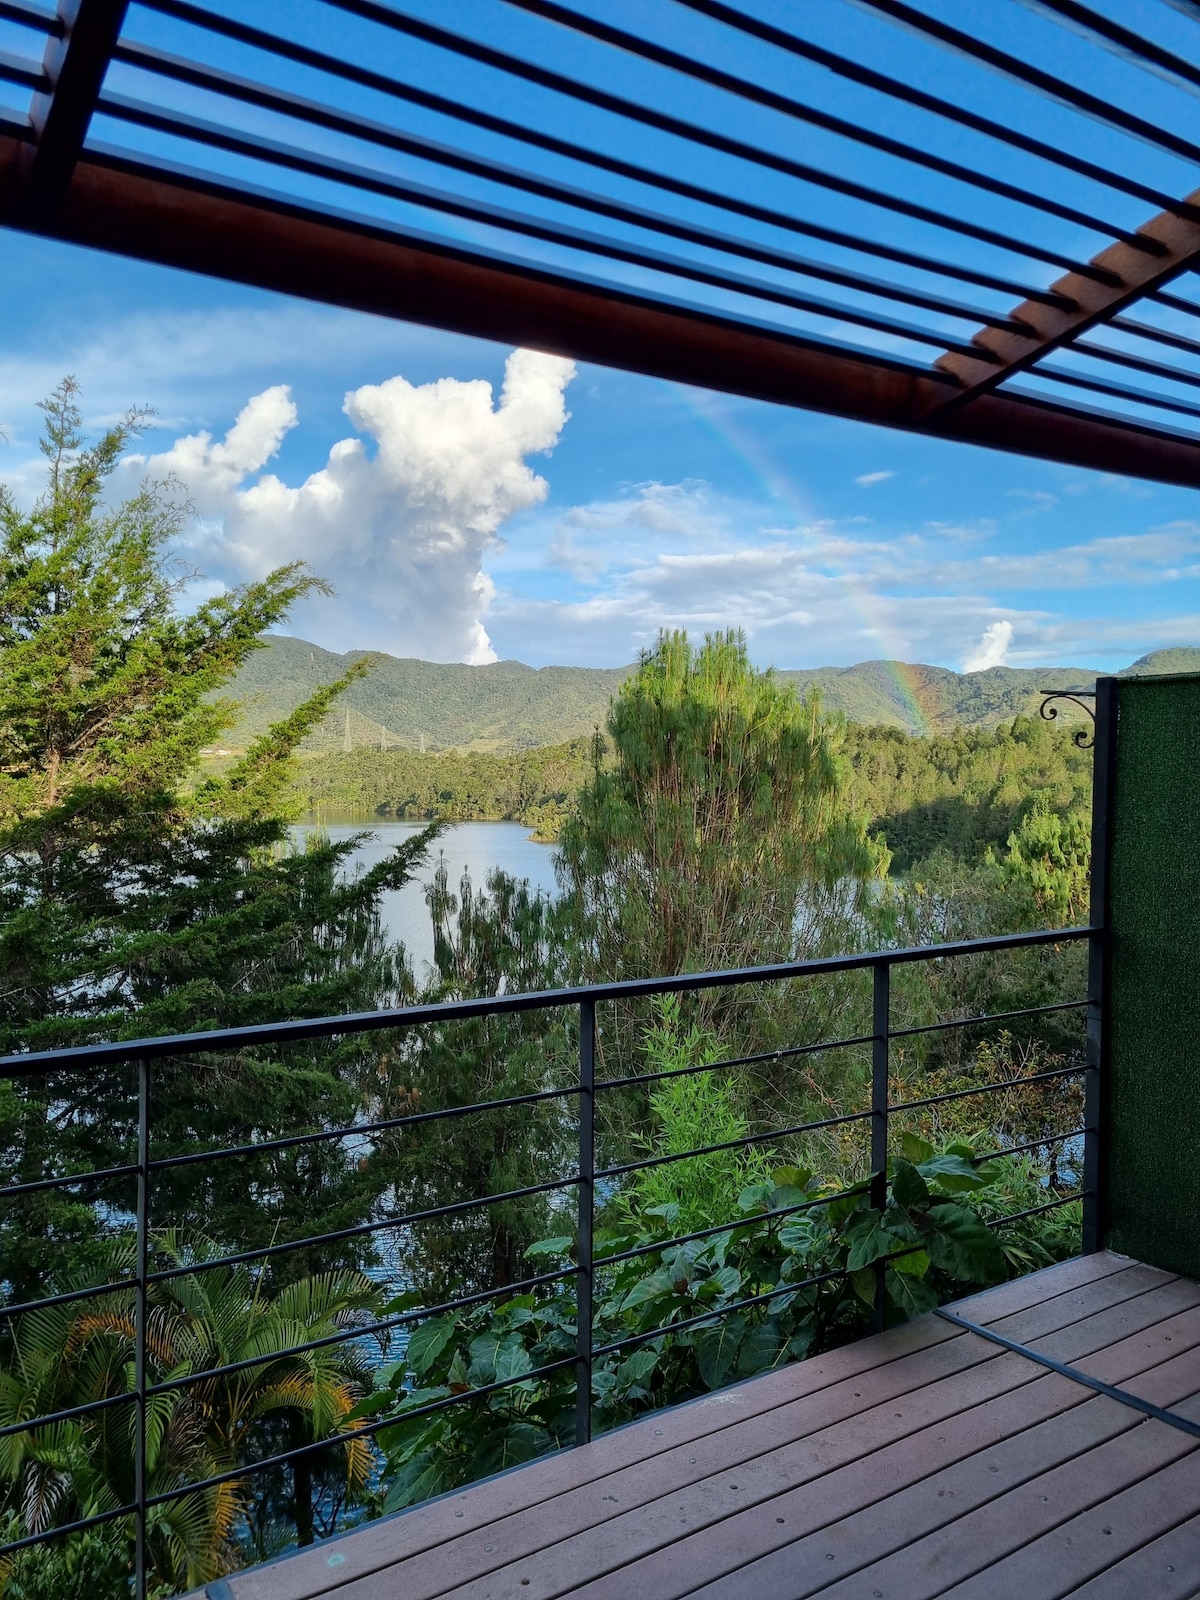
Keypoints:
(1172, 246)
(74, 62)
(181, 219)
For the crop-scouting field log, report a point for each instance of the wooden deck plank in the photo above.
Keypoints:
(915, 1485)
(1054, 1565)
(1168, 1568)
(1044, 1284)
(904, 1437)
(308, 1573)
(658, 1500)
(960, 1557)
(551, 1554)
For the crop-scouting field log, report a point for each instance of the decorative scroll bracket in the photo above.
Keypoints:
(1048, 711)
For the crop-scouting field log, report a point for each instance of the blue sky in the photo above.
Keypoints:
(573, 519)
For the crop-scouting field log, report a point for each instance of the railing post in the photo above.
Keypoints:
(586, 1204)
(1098, 952)
(881, 989)
(139, 1354)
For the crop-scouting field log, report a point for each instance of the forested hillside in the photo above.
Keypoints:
(960, 791)
(509, 706)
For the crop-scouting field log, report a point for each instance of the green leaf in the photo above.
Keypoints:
(909, 1188)
(868, 1239)
(863, 1284)
(637, 1368)
(792, 1177)
(427, 1341)
(717, 1348)
(760, 1350)
(512, 1360)
(961, 1244)
(370, 1405)
(420, 1479)
(562, 1245)
(651, 1287)
(915, 1149)
(915, 1264)
(909, 1295)
(952, 1173)
(723, 1284)
(755, 1197)
(507, 1447)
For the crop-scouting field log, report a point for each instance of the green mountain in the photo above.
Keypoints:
(509, 706)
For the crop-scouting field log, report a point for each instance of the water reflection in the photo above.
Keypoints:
(477, 847)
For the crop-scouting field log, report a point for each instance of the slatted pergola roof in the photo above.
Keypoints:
(969, 218)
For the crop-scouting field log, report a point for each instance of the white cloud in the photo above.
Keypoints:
(401, 532)
(866, 479)
(992, 649)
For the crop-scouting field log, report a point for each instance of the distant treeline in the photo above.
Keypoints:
(536, 787)
(959, 791)
(963, 791)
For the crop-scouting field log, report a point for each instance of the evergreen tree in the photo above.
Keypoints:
(725, 809)
(135, 899)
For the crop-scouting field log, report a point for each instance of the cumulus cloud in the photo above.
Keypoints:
(400, 531)
(992, 649)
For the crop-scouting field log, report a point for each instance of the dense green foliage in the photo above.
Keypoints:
(789, 1271)
(537, 787)
(963, 792)
(82, 1353)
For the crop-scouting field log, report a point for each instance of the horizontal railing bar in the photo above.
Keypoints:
(168, 1163)
(988, 1088)
(1036, 1211)
(274, 153)
(361, 1231)
(989, 1016)
(734, 1061)
(103, 1174)
(161, 64)
(51, 1417)
(473, 116)
(734, 1144)
(363, 1331)
(66, 1298)
(696, 134)
(341, 1439)
(1030, 1144)
(760, 94)
(755, 1220)
(723, 1311)
(191, 1044)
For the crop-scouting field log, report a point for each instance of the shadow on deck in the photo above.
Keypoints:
(925, 1461)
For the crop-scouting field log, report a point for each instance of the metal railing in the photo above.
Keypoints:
(585, 1091)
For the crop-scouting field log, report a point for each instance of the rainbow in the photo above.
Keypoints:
(756, 460)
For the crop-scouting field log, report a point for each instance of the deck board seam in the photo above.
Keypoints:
(1147, 1407)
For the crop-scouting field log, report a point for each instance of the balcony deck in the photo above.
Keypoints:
(924, 1461)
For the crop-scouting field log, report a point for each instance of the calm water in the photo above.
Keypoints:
(475, 847)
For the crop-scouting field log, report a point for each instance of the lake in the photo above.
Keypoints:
(475, 847)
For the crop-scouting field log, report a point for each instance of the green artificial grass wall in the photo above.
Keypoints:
(1152, 1098)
